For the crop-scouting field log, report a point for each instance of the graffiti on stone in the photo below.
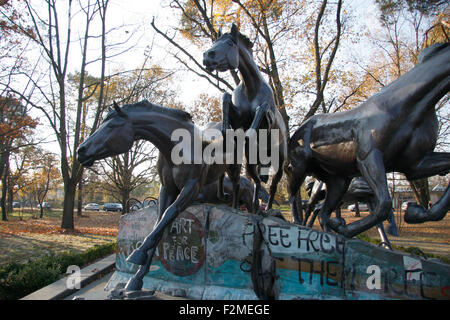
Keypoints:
(182, 247)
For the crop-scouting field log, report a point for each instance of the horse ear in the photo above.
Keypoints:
(118, 109)
(234, 31)
(219, 33)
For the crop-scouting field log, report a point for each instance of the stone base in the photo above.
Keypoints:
(208, 253)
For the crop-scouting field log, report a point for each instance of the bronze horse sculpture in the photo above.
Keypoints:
(180, 183)
(394, 130)
(252, 105)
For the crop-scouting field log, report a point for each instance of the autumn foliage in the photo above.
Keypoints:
(14, 122)
(98, 224)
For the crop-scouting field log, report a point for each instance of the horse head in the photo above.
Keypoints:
(113, 137)
(224, 53)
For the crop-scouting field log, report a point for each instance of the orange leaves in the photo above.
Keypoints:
(96, 224)
(14, 122)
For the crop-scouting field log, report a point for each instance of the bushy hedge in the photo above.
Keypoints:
(18, 280)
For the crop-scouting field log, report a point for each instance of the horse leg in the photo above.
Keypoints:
(252, 171)
(234, 173)
(295, 177)
(230, 114)
(184, 199)
(230, 119)
(226, 106)
(383, 236)
(275, 180)
(338, 211)
(260, 113)
(385, 243)
(336, 189)
(299, 157)
(418, 214)
(165, 199)
(315, 212)
(371, 168)
(392, 228)
(314, 199)
(220, 192)
(432, 164)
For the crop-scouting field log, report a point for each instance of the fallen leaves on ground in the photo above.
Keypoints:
(33, 237)
(99, 224)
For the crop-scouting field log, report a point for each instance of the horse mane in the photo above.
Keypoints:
(145, 105)
(431, 51)
(246, 41)
(248, 44)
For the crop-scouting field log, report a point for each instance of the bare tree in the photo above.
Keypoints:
(52, 35)
(126, 172)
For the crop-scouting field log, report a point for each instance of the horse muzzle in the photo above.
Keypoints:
(85, 160)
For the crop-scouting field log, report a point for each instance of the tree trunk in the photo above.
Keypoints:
(68, 205)
(125, 197)
(4, 180)
(9, 205)
(3, 202)
(357, 212)
(80, 199)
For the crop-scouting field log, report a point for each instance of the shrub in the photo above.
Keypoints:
(18, 280)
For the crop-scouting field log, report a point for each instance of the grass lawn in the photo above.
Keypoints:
(25, 236)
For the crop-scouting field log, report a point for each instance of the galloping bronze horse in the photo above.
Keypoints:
(252, 105)
(180, 183)
(394, 130)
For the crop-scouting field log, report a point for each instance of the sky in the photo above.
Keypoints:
(132, 19)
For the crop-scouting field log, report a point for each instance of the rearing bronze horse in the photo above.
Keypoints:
(252, 105)
(394, 130)
(180, 183)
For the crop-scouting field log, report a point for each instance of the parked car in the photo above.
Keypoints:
(45, 205)
(112, 207)
(406, 204)
(362, 207)
(92, 207)
(16, 204)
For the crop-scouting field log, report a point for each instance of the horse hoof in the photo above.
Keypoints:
(393, 231)
(138, 256)
(134, 284)
(415, 214)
